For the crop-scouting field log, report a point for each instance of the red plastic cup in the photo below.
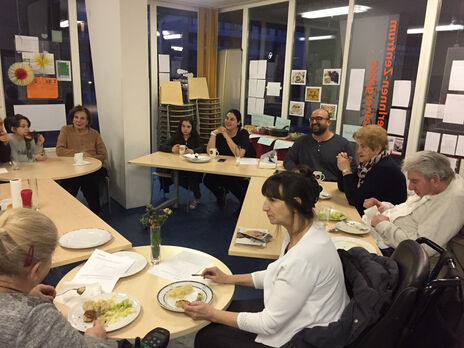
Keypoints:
(26, 196)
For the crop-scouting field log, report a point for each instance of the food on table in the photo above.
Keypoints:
(337, 215)
(200, 296)
(180, 303)
(180, 291)
(107, 311)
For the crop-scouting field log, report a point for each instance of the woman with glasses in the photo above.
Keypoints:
(377, 176)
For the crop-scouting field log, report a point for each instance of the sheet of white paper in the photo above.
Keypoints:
(262, 66)
(401, 93)
(396, 121)
(460, 146)
(164, 76)
(3, 170)
(266, 141)
(103, 268)
(448, 144)
(181, 266)
(434, 110)
(253, 67)
(273, 89)
(456, 82)
(282, 144)
(252, 87)
(260, 88)
(45, 117)
(254, 136)
(249, 161)
(47, 59)
(282, 122)
(348, 131)
(262, 120)
(432, 140)
(259, 107)
(454, 106)
(453, 162)
(251, 106)
(26, 43)
(163, 63)
(355, 89)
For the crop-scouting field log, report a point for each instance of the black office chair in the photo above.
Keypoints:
(414, 269)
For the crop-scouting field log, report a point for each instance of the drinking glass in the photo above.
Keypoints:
(35, 193)
(323, 215)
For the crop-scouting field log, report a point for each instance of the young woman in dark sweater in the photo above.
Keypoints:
(187, 134)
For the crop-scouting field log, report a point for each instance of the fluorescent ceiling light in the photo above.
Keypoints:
(318, 38)
(172, 36)
(449, 27)
(177, 48)
(335, 11)
(65, 23)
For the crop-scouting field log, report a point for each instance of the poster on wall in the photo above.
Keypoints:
(298, 77)
(41, 63)
(331, 109)
(395, 145)
(331, 76)
(296, 108)
(313, 94)
(43, 88)
(355, 89)
(63, 70)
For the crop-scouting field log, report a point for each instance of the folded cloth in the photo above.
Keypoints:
(72, 298)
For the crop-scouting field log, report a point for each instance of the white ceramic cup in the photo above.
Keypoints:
(182, 149)
(319, 175)
(79, 157)
(213, 152)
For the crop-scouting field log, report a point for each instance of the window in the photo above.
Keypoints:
(230, 29)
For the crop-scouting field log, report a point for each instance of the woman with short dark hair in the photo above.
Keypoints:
(305, 287)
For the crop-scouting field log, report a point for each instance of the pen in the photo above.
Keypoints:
(197, 275)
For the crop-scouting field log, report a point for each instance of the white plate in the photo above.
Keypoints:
(324, 195)
(352, 227)
(347, 243)
(139, 262)
(76, 313)
(85, 238)
(170, 303)
(197, 159)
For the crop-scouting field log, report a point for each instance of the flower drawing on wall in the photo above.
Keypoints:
(20, 74)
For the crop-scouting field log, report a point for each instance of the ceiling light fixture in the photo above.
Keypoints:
(172, 36)
(335, 11)
(449, 27)
(177, 48)
(65, 23)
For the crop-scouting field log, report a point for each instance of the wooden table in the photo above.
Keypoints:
(69, 214)
(53, 168)
(176, 162)
(145, 286)
(253, 216)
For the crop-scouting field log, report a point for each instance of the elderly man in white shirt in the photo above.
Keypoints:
(435, 211)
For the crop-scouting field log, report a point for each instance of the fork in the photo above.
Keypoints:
(79, 291)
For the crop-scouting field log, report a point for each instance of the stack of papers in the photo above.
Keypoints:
(103, 268)
(253, 236)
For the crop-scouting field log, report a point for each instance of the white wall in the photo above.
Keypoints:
(118, 40)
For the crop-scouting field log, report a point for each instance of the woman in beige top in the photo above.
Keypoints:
(79, 137)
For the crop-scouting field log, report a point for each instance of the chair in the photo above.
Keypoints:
(414, 268)
(168, 175)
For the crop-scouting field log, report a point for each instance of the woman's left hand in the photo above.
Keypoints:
(46, 291)
(189, 151)
(378, 219)
(40, 140)
(40, 157)
(198, 310)
(344, 161)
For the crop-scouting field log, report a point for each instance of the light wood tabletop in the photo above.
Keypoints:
(144, 286)
(228, 167)
(69, 214)
(53, 168)
(253, 216)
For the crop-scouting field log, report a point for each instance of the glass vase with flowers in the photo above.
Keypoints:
(154, 219)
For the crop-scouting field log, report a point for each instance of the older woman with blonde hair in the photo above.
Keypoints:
(28, 317)
(378, 175)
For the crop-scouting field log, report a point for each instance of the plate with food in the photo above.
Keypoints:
(114, 311)
(196, 158)
(324, 195)
(84, 238)
(347, 243)
(139, 262)
(334, 215)
(352, 227)
(173, 296)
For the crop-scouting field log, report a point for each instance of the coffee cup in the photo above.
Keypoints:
(213, 152)
(319, 175)
(182, 149)
(79, 157)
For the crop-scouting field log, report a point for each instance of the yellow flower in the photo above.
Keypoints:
(41, 60)
(167, 211)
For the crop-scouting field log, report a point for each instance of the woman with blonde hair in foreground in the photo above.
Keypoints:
(28, 317)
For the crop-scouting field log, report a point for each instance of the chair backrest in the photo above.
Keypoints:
(456, 246)
(413, 264)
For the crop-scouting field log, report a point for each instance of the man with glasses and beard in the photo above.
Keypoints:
(319, 150)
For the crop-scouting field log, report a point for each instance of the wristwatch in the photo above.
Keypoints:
(213, 133)
(345, 171)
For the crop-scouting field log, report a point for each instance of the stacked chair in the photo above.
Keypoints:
(209, 116)
(170, 115)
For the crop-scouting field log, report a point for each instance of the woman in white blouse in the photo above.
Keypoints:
(305, 287)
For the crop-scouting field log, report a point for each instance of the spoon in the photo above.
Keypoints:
(79, 291)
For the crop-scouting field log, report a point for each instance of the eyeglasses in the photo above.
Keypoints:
(317, 119)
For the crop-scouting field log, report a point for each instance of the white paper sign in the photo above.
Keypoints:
(282, 144)
(401, 93)
(349, 130)
(396, 121)
(163, 63)
(164, 76)
(281, 123)
(266, 141)
(45, 117)
(454, 108)
(355, 89)
(259, 106)
(432, 140)
(448, 144)
(456, 82)
(252, 87)
(434, 110)
(273, 89)
(251, 106)
(260, 88)
(253, 69)
(262, 67)
(26, 43)
(460, 146)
